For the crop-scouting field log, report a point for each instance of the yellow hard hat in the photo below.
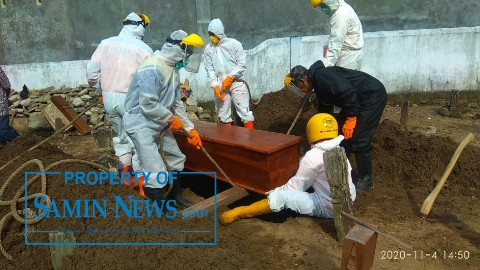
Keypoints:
(315, 3)
(321, 126)
(145, 18)
(193, 40)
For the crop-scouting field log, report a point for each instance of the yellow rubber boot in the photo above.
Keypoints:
(255, 209)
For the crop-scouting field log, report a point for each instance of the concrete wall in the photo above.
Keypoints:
(68, 30)
(412, 60)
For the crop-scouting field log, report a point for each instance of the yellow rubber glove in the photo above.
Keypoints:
(218, 93)
(176, 124)
(287, 80)
(348, 127)
(195, 140)
(227, 82)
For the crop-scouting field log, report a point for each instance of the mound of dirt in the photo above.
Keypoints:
(276, 112)
(415, 160)
(418, 161)
(406, 167)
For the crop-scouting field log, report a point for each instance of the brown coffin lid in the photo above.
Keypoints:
(240, 137)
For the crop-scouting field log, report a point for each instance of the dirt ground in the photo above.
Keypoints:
(407, 166)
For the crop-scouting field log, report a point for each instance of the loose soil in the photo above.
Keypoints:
(406, 167)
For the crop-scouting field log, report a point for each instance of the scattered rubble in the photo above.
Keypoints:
(35, 109)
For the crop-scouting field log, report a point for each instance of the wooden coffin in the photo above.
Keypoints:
(253, 159)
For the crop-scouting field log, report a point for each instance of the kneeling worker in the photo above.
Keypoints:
(322, 134)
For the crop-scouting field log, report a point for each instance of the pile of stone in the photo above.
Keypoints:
(197, 113)
(35, 109)
(33, 104)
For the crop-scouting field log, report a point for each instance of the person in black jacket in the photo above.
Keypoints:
(361, 98)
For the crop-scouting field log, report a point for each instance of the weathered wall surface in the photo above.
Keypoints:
(410, 45)
(405, 61)
(61, 30)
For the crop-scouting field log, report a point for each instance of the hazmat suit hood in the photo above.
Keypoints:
(311, 71)
(137, 31)
(216, 27)
(173, 53)
(333, 5)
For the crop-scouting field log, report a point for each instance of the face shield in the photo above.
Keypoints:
(292, 82)
(193, 50)
(147, 37)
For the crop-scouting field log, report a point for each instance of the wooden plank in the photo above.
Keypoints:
(81, 126)
(336, 170)
(52, 113)
(253, 159)
(224, 198)
(359, 248)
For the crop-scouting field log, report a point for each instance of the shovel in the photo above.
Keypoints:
(427, 204)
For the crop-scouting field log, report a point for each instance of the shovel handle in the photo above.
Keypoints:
(428, 203)
(187, 133)
(210, 158)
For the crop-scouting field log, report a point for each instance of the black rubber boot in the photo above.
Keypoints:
(176, 192)
(364, 168)
(155, 194)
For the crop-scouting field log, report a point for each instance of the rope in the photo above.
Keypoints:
(210, 158)
(28, 213)
(254, 104)
(162, 154)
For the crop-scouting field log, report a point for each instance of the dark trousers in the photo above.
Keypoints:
(7, 133)
(371, 111)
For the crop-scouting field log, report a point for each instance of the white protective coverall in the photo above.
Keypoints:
(222, 60)
(152, 100)
(110, 70)
(346, 36)
(311, 172)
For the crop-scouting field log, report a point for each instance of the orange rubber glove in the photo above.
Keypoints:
(176, 124)
(227, 82)
(218, 93)
(348, 127)
(195, 140)
(100, 98)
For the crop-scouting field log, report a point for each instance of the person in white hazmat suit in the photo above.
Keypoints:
(109, 72)
(322, 134)
(224, 60)
(153, 103)
(346, 34)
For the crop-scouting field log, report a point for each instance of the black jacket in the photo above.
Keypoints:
(351, 90)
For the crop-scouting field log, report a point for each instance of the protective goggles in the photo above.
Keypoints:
(176, 42)
(130, 22)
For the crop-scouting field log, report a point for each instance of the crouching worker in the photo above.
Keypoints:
(322, 134)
